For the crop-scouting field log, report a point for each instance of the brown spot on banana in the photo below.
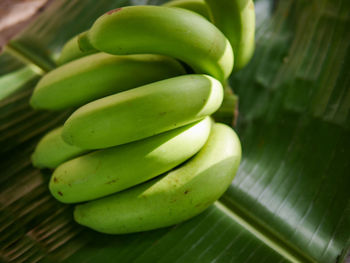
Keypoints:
(113, 11)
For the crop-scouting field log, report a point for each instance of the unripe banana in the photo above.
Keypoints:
(99, 75)
(108, 171)
(51, 151)
(142, 112)
(170, 199)
(236, 19)
(175, 32)
(197, 6)
(71, 51)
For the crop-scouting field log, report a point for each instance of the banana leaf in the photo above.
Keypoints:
(289, 201)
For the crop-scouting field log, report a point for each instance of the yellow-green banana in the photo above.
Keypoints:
(71, 51)
(52, 150)
(175, 32)
(236, 19)
(197, 6)
(142, 112)
(108, 171)
(170, 199)
(99, 75)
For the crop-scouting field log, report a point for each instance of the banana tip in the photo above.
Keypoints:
(67, 138)
(32, 102)
(34, 160)
(78, 216)
(84, 42)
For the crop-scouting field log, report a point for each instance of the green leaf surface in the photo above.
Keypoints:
(290, 198)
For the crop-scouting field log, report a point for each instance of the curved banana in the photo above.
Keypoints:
(71, 51)
(197, 6)
(236, 19)
(99, 75)
(170, 199)
(142, 112)
(175, 32)
(108, 171)
(51, 150)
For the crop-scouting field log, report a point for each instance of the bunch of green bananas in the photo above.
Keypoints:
(140, 140)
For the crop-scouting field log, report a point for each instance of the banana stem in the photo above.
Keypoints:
(228, 112)
(84, 42)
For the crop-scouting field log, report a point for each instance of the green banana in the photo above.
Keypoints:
(108, 171)
(71, 51)
(170, 199)
(51, 151)
(142, 112)
(197, 6)
(236, 19)
(99, 75)
(175, 32)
